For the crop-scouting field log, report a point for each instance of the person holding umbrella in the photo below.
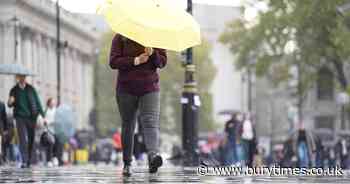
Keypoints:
(145, 25)
(138, 90)
(26, 109)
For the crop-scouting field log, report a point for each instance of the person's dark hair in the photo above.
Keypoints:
(49, 101)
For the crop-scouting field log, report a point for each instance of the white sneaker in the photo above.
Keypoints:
(55, 161)
(49, 164)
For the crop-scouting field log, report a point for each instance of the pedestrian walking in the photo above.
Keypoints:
(248, 140)
(342, 152)
(26, 109)
(304, 146)
(233, 131)
(241, 154)
(138, 90)
(3, 131)
(288, 154)
(48, 138)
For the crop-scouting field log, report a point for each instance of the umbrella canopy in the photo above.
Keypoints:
(64, 122)
(15, 69)
(228, 112)
(152, 23)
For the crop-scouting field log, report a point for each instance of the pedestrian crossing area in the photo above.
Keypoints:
(90, 174)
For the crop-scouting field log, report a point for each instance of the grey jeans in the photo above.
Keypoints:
(148, 107)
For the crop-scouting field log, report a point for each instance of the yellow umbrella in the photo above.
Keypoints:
(152, 23)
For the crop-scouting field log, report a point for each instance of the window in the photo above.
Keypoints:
(324, 122)
(325, 84)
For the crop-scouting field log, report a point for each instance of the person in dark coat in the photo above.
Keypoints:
(26, 109)
(3, 131)
(288, 154)
(342, 152)
(233, 131)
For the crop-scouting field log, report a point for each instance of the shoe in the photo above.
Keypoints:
(50, 164)
(55, 161)
(127, 171)
(28, 165)
(25, 165)
(155, 162)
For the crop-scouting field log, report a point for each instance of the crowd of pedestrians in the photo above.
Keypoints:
(305, 149)
(238, 145)
(28, 135)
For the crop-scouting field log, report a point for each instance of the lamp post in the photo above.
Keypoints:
(250, 91)
(58, 50)
(342, 99)
(190, 108)
(16, 21)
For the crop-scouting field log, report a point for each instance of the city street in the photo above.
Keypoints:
(109, 174)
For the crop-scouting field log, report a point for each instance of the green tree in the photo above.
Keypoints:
(171, 82)
(313, 27)
(107, 113)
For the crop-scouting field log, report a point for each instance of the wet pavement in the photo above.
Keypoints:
(109, 174)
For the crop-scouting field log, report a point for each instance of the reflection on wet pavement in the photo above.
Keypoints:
(109, 174)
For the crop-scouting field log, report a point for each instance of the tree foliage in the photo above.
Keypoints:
(307, 33)
(172, 80)
(107, 113)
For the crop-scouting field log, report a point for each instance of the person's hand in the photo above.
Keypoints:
(143, 58)
(11, 100)
(149, 51)
(45, 122)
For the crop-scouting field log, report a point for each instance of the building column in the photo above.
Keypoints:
(80, 91)
(8, 56)
(25, 53)
(42, 64)
(2, 78)
(36, 59)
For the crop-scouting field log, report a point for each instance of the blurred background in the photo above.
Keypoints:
(284, 62)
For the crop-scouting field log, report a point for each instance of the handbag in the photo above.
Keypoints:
(47, 138)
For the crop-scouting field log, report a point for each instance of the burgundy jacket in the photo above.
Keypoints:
(135, 80)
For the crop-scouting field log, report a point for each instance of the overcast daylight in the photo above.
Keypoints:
(174, 91)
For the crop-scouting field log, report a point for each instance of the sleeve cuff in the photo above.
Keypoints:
(136, 61)
(156, 60)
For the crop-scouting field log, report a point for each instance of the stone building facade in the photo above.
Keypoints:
(35, 34)
(276, 110)
(227, 88)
